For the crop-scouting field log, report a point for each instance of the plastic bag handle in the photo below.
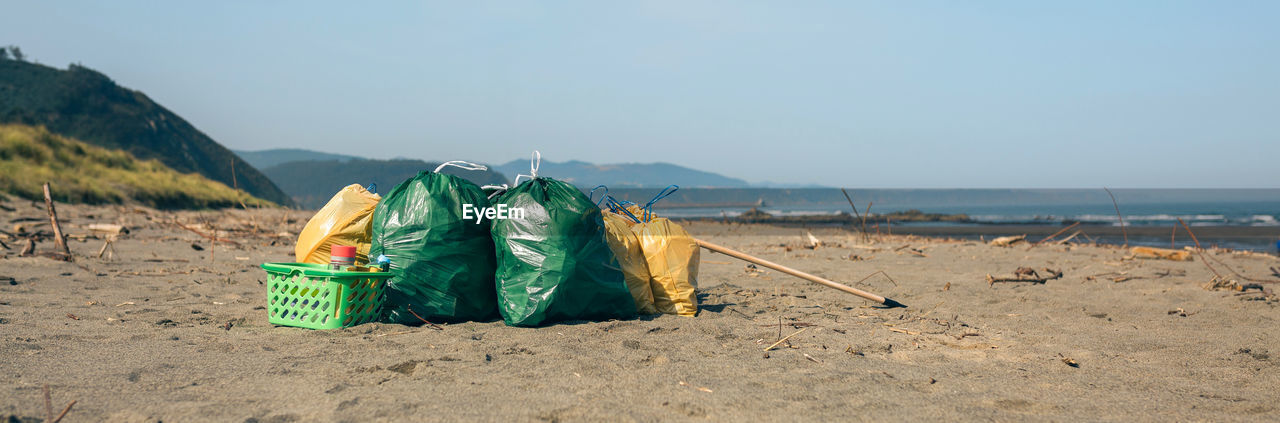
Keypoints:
(500, 189)
(592, 194)
(461, 164)
(534, 163)
(372, 188)
(617, 207)
(648, 207)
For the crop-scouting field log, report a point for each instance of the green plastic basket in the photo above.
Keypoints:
(312, 296)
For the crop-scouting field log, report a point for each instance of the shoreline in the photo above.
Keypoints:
(1252, 238)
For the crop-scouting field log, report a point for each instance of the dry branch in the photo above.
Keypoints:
(1021, 275)
(865, 237)
(784, 339)
(206, 236)
(1055, 235)
(1118, 216)
(59, 240)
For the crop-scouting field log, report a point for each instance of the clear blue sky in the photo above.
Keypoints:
(860, 94)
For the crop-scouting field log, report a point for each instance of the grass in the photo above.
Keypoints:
(83, 173)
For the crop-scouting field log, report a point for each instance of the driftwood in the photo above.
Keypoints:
(1026, 274)
(59, 240)
(812, 241)
(107, 229)
(1161, 253)
(1006, 241)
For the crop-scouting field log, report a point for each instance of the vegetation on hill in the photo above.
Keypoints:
(313, 182)
(81, 103)
(83, 173)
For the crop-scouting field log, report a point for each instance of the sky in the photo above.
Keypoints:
(892, 94)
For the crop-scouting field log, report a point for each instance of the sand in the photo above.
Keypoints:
(164, 332)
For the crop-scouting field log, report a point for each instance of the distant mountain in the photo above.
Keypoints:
(263, 159)
(83, 173)
(312, 183)
(84, 104)
(623, 175)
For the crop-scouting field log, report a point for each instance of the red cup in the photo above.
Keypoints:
(341, 256)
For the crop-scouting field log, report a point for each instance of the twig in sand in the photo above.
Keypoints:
(1033, 277)
(64, 412)
(886, 275)
(864, 219)
(108, 245)
(784, 339)
(898, 330)
(205, 236)
(1064, 240)
(428, 322)
(30, 249)
(48, 404)
(1118, 216)
(1200, 252)
(700, 388)
(865, 237)
(1055, 235)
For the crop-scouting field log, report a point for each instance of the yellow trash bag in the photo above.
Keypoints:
(346, 220)
(673, 257)
(635, 270)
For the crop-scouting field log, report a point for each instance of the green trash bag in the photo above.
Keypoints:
(443, 263)
(555, 264)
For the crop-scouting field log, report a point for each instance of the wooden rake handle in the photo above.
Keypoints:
(802, 275)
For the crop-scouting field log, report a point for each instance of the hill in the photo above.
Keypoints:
(83, 173)
(623, 175)
(313, 182)
(263, 159)
(84, 104)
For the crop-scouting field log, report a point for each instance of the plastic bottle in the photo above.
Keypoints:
(342, 257)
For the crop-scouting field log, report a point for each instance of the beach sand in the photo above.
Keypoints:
(165, 332)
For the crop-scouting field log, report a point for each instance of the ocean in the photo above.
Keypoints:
(1243, 208)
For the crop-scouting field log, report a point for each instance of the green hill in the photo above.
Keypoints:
(83, 173)
(313, 182)
(84, 104)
